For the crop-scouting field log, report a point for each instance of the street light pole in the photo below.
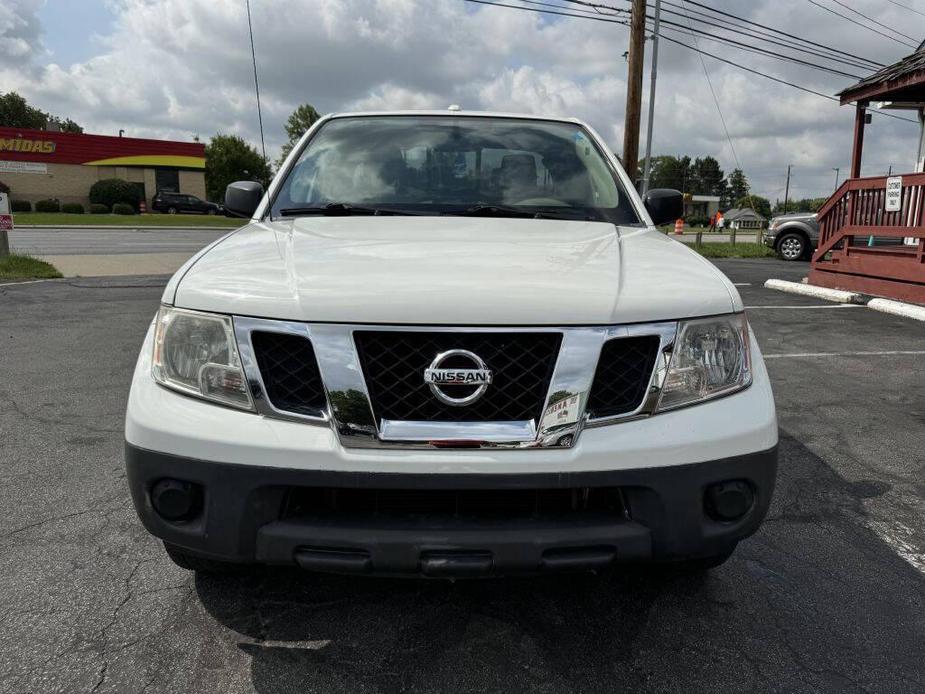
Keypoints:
(836, 170)
(648, 166)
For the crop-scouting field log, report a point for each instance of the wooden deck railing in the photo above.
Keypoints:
(861, 245)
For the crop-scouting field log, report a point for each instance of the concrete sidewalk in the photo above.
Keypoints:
(117, 265)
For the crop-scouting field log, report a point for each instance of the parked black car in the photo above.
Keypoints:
(174, 203)
(793, 236)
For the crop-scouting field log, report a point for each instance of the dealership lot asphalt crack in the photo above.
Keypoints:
(827, 597)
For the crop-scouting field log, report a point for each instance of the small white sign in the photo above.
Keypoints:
(6, 219)
(32, 167)
(894, 194)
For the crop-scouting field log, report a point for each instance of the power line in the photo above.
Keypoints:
(854, 21)
(722, 118)
(752, 49)
(610, 20)
(772, 38)
(871, 19)
(250, 29)
(911, 9)
(728, 15)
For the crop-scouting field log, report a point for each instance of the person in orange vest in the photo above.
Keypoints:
(720, 222)
(713, 221)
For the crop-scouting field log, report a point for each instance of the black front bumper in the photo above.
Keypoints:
(242, 520)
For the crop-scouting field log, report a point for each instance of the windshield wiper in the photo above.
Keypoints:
(511, 211)
(492, 211)
(334, 209)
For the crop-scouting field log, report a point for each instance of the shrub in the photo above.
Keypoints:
(122, 208)
(48, 206)
(111, 191)
(695, 221)
(72, 208)
(20, 206)
(96, 208)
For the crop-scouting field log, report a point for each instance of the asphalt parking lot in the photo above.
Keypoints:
(829, 596)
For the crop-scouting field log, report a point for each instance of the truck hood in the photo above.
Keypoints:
(451, 271)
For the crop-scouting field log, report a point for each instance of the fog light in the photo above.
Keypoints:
(729, 501)
(175, 500)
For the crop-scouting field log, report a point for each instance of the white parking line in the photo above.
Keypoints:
(742, 284)
(898, 352)
(901, 539)
(752, 308)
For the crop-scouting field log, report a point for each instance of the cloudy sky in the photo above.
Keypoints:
(180, 68)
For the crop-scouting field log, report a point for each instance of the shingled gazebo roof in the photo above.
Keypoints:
(903, 81)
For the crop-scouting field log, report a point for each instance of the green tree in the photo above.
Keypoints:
(669, 172)
(761, 205)
(298, 123)
(228, 159)
(15, 112)
(803, 205)
(707, 178)
(736, 188)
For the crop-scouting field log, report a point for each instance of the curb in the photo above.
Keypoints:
(898, 308)
(836, 295)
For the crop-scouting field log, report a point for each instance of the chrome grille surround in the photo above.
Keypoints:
(350, 414)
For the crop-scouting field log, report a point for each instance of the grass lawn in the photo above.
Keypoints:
(727, 250)
(22, 267)
(135, 220)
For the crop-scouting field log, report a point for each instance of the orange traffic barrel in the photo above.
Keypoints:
(679, 226)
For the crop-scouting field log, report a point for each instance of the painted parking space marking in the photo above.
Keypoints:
(830, 306)
(890, 353)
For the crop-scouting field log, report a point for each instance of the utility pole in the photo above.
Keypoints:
(648, 167)
(836, 170)
(634, 89)
(787, 189)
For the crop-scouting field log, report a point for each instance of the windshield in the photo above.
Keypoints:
(454, 165)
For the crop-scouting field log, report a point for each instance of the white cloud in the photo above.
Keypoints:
(175, 68)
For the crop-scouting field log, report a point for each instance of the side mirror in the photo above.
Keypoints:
(243, 197)
(664, 205)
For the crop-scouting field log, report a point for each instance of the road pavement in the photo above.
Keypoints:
(828, 596)
(103, 241)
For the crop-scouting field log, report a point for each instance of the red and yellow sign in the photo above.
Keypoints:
(17, 144)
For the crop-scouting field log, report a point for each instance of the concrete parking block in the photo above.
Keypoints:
(898, 308)
(815, 292)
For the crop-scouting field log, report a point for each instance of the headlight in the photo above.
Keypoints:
(196, 354)
(710, 358)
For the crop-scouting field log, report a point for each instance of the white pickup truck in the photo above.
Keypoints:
(450, 344)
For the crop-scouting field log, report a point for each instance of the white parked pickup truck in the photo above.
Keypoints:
(450, 344)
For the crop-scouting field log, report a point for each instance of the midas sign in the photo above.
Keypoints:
(18, 144)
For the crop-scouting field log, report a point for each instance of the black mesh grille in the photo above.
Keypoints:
(622, 375)
(290, 372)
(394, 363)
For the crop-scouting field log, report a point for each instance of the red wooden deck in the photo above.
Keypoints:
(889, 268)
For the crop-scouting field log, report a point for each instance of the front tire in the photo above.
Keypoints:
(791, 247)
(210, 212)
(191, 562)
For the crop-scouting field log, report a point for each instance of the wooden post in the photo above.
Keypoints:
(634, 89)
(858, 147)
(4, 244)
